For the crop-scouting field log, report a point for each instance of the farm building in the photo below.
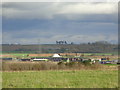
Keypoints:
(56, 55)
(24, 59)
(39, 59)
(8, 59)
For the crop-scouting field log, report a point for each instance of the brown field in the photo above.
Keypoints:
(47, 55)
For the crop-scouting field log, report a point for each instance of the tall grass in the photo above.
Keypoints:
(37, 66)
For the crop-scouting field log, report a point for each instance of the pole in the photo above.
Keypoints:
(39, 46)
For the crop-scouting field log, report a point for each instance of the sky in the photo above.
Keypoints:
(48, 22)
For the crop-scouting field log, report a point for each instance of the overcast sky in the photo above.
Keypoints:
(26, 23)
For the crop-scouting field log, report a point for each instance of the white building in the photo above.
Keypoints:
(56, 55)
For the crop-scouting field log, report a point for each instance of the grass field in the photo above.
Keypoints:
(61, 79)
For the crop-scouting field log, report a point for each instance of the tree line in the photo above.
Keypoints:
(64, 47)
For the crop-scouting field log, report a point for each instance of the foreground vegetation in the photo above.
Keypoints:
(38, 66)
(61, 79)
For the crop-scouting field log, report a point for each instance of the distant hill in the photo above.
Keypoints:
(61, 48)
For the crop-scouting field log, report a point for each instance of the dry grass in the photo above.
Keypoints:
(37, 66)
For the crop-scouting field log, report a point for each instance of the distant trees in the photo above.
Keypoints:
(72, 43)
(100, 43)
(64, 47)
(61, 42)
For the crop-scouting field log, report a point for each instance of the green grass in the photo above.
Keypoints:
(111, 64)
(61, 79)
(98, 54)
(0, 80)
(9, 52)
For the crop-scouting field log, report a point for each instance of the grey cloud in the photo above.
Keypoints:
(66, 17)
(70, 11)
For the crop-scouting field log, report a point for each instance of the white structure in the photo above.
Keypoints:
(56, 55)
(42, 59)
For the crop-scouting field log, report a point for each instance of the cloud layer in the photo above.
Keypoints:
(74, 22)
(52, 10)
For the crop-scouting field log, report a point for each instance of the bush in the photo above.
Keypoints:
(87, 62)
(37, 66)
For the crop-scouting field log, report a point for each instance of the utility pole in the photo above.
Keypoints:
(39, 47)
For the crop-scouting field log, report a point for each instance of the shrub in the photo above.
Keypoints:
(87, 62)
(36, 66)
